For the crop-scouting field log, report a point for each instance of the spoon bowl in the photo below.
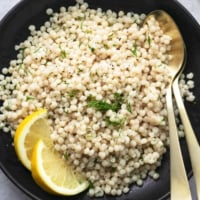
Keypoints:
(170, 29)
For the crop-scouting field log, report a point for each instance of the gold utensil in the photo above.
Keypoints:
(192, 143)
(180, 189)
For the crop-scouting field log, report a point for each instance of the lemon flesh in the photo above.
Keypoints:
(32, 128)
(52, 172)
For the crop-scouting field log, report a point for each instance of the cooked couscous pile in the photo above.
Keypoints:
(103, 78)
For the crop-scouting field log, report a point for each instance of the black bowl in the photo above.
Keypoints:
(14, 29)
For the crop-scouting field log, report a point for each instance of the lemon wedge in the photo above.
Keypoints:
(52, 172)
(32, 128)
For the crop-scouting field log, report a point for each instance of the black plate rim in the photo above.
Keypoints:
(189, 14)
(9, 15)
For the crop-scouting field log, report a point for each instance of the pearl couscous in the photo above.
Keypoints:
(103, 78)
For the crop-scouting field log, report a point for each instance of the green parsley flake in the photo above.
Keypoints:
(73, 93)
(92, 49)
(134, 50)
(149, 40)
(28, 98)
(117, 123)
(65, 156)
(63, 54)
(103, 106)
(128, 105)
(100, 105)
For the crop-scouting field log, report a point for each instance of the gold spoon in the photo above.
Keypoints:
(179, 184)
(192, 143)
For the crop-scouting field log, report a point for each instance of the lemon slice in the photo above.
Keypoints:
(32, 128)
(52, 172)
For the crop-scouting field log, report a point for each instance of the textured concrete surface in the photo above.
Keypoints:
(8, 191)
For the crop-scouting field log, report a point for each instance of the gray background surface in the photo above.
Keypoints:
(8, 191)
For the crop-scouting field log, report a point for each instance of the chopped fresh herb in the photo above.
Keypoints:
(65, 110)
(154, 141)
(91, 48)
(88, 31)
(113, 169)
(37, 50)
(65, 82)
(128, 105)
(81, 18)
(91, 185)
(149, 40)
(81, 24)
(21, 65)
(63, 54)
(103, 106)
(110, 35)
(106, 46)
(118, 97)
(89, 136)
(65, 156)
(80, 70)
(15, 87)
(134, 50)
(80, 43)
(73, 93)
(118, 123)
(94, 76)
(23, 68)
(8, 107)
(22, 51)
(91, 98)
(100, 105)
(30, 98)
(163, 121)
(118, 101)
(27, 71)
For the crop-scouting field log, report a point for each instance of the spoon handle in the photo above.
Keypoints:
(192, 143)
(180, 189)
